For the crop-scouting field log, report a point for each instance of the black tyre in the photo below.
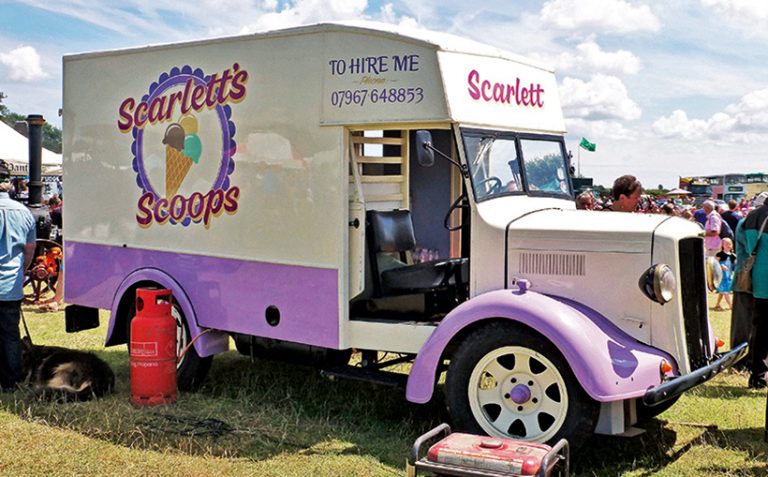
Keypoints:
(192, 369)
(506, 380)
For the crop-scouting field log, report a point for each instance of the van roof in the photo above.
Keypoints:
(438, 40)
(442, 41)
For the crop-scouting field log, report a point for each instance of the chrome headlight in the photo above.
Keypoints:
(658, 283)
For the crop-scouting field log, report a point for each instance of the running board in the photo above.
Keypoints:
(382, 378)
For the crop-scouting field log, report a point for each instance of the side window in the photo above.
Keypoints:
(494, 165)
(544, 166)
(506, 166)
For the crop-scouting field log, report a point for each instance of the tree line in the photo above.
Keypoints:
(51, 134)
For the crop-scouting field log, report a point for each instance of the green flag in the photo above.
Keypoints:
(589, 146)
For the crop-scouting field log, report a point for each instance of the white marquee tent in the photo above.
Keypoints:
(14, 149)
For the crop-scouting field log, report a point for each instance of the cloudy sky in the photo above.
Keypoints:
(663, 88)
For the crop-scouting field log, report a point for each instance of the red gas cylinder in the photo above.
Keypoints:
(153, 349)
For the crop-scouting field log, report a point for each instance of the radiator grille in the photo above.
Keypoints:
(532, 263)
(694, 296)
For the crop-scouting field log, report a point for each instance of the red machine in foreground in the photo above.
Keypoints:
(153, 349)
(468, 455)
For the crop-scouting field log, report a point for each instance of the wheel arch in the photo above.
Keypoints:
(608, 363)
(208, 344)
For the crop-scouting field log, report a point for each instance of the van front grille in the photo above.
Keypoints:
(694, 297)
(534, 263)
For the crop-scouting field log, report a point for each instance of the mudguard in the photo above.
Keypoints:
(207, 345)
(609, 364)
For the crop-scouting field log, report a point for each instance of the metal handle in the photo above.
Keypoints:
(558, 451)
(442, 428)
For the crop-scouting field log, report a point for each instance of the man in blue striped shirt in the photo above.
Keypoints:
(17, 248)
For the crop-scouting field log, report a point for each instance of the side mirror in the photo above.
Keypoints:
(424, 153)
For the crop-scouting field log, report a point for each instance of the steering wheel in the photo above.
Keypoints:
(495, 184)
(459, 203)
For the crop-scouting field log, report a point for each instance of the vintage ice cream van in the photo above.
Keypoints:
(405, 194)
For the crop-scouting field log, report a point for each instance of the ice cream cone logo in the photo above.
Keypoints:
(167, 124)
(182, 149)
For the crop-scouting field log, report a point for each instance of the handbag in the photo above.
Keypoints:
(744, 275)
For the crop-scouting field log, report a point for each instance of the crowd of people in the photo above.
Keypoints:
(732, 233)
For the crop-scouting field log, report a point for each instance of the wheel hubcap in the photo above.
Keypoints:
(518, 392)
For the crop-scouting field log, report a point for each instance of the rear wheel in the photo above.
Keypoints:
(506, 380)
(191, 370)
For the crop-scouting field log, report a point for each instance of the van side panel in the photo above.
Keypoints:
(222, 162)
(225, 293)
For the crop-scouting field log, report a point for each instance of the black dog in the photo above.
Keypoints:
(65, 375)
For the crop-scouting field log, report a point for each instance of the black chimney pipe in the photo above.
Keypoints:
(35, 123)
(35, 203)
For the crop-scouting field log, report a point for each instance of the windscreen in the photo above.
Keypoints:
(509, 164)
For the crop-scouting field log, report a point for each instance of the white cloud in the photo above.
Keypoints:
(604, 98)
(149, 20)
(742, 122)
(301, 12)
(739, 7)
(677, 125)
(591, 58)
(387, 14)
(748, 16)
(603, 16)
(129, 18)
(754, 103)
(613, 130)
(23, 64)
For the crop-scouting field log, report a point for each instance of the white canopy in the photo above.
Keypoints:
(14, 149)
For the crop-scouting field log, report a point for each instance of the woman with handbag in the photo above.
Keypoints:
(752, 275)
(743, 303)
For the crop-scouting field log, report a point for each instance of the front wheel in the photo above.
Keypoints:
(506, 380)
(191, 370)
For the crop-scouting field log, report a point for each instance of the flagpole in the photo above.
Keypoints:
(578, 163)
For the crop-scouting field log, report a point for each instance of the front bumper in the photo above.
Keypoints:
(679, 385)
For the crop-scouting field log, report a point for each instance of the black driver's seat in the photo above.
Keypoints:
(391, 231)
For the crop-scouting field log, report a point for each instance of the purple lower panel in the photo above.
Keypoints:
(225, 294)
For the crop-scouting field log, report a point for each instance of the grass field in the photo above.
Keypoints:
(273, 419)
